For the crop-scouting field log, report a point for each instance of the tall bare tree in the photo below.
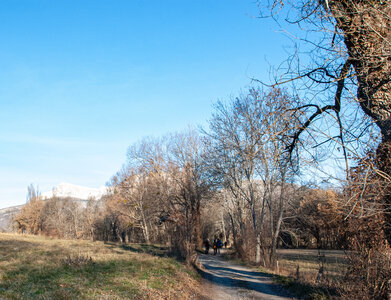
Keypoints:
(32, 193)
(350, 60)
(246, 151)
(190, 175)
(137, 199)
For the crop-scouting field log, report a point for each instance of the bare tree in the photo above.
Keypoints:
(169, 174)
(32, 193)
(190, 175)
(348, 79)
(62, 218)
(246, 151)
(137, 199)
(92, 213)
(235, 154)
(351, 61)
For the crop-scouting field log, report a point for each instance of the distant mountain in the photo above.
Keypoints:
(63, 190)
(6, 215)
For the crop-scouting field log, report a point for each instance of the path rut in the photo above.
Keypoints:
(226, 280)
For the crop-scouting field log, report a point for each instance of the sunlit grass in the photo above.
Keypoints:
(309, 262)
(298, 271)
(33, 267)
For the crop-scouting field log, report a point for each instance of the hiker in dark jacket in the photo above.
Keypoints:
(207, 246)
(219, 245)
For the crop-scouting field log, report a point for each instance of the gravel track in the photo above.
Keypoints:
(223, 279)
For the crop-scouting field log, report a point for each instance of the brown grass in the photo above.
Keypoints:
(33, 267)
(298, 270)
(309, 262)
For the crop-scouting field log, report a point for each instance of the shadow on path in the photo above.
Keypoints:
(239, 280)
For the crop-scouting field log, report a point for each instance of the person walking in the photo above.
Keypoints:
(215, 247)
(219, 245)
(207, 246)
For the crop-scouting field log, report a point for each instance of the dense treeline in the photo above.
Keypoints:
(233, 181)
(59, 217)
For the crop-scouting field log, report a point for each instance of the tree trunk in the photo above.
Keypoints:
(234, 232)
(223, 227)
(196, 228)
(383, 155)
(145, 228)
(257, 235)
(276, 234)
(366, 28)
(258, 249)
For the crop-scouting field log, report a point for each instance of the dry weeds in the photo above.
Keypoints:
(34, 267)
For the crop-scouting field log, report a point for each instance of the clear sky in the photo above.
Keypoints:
(82, 80)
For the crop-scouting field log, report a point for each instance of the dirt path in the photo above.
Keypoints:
(228, 281)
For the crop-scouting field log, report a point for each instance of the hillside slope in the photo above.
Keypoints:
(6, 215)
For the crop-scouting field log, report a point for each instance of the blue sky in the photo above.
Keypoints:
(82, 80)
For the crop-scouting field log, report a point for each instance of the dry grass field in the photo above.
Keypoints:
(33, 267)
(309, 261)
(302, 267)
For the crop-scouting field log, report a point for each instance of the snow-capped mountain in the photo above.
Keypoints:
(80, 194)
(64, 190)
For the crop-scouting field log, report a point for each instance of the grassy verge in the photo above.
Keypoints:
(303, 290)
(34, 267)
(306, 264)
(309, 262)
